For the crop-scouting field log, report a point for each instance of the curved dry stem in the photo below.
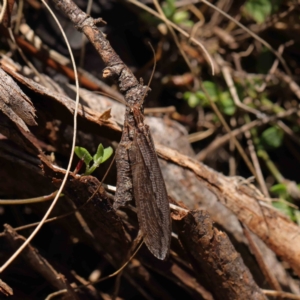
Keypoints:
(19, 16)
(3, 10)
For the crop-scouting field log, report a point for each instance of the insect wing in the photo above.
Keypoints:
(151, 196)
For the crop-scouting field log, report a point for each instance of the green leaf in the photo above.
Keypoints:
(223, 99)
(297, 216)
(186, 95)
(211, 89)
(270, 105)
(204, 102)
(272, 137)
(187, 23)
(107, 153)
(83, 154)
(279, 189)
(284, 208)
(98, 155)
(193, 100)
(227, 104)
(180, 16)
(259, 10)
(102, 155)
(169, 8)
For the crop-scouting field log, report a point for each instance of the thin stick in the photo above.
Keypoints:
(283, 295)
(200, 135)
(256, 164)
(3, 10)
(28, 200)
(19, 16)
(138, 240)
(231, 86)
(98, 187)
(270, 277)
(11, 259)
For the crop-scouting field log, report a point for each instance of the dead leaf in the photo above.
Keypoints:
(14, 103)
(105, 115)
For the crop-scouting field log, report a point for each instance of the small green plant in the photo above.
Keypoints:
(260, 10)
(180, 17)
(102, 154)
(282, 204)
(222, 98)
(272, 137)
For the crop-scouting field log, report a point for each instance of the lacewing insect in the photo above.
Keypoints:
(139, 177)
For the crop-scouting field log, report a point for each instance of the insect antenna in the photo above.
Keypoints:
(152, 73)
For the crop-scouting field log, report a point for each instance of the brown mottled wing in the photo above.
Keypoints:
(150, 194)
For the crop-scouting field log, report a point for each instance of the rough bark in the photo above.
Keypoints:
(218, 266)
